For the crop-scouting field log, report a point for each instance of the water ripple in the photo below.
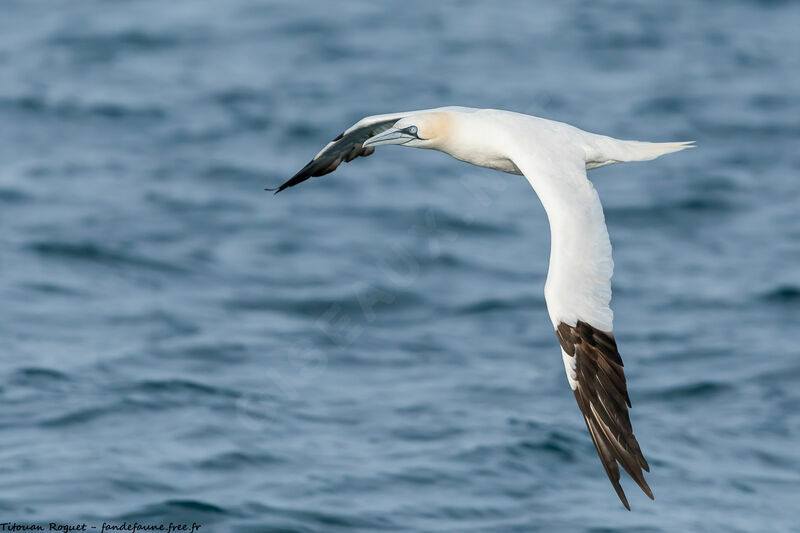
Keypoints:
(177, 349)
(75, 110)
(94, 253)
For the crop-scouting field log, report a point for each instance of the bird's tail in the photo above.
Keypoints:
(645, 151)
(602, 150)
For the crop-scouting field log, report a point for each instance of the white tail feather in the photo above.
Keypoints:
(645, 151)
(602, 150)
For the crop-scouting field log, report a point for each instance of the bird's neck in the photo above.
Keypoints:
(477, 144)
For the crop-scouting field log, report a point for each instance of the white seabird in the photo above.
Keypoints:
(554, 158)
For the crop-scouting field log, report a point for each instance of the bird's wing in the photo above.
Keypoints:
(345, 147)
(578, 293)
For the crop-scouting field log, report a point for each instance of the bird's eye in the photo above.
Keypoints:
(412, 130)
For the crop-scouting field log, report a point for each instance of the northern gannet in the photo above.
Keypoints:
(553, 157)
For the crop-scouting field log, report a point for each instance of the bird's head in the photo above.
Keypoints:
(423, 130)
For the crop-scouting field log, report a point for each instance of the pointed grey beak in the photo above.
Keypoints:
(390, 136)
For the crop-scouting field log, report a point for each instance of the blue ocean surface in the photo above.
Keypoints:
(370, 350)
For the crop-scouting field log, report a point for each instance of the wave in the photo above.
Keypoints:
(328, 519)
(489, 305)
(357, 305)
(71, 109)
(95, 253)
(130, 39)
(234, 460)
(783, 294)
(696, 390)
(38, 376)
(175, 510)
(527, 452)
(13, 196)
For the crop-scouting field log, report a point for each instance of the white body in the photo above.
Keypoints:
(554, 158)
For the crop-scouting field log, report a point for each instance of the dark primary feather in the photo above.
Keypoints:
(602, 396)
(347, 146)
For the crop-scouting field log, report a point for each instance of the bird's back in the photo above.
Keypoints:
(485, 138)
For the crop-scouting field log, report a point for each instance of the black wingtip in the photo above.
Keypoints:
(274, 190)
(620, 493)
